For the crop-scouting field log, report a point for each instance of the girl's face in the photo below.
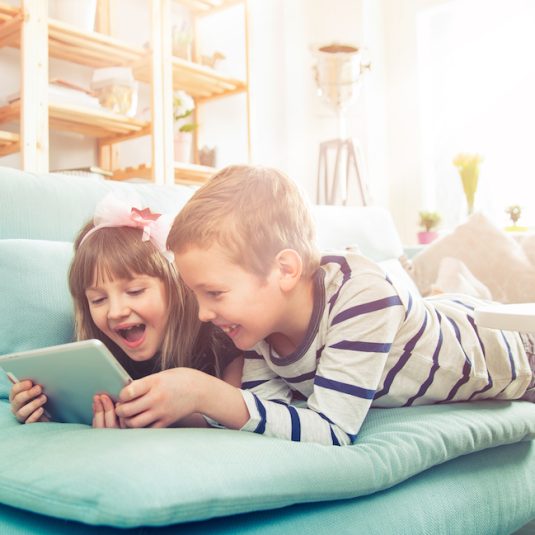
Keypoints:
(133, 313)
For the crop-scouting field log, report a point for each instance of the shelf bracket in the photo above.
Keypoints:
(161, 94)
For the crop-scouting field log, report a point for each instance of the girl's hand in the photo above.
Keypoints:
(104, 412)
(27, 402)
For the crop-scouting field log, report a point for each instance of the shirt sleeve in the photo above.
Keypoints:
(265, 382)
(361, 328)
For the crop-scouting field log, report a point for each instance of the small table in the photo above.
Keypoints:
(511, 317)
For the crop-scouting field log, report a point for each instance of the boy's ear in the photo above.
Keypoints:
(290, 268)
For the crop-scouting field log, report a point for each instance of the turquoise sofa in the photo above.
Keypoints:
(465, 468)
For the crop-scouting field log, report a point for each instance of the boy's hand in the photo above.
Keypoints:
(27, 402)
(164, 398)
(104, 412)
(160, 399)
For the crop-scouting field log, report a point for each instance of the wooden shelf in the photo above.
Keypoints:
(87, 121)
(10, 24)
(7, 12)
(205, 7)
(89, 48)
(67, 42)
(191, 173)
(201, 82)
(9, 143)
(185, 173)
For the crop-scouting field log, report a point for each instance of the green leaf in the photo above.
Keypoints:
(190, 127)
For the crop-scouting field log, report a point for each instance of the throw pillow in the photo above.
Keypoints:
(454, 277)
(36, 308)
(527, 241)
(492, 256)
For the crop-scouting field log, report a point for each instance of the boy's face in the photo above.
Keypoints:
(245, 306)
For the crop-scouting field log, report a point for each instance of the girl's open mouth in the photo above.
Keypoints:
(133, 335)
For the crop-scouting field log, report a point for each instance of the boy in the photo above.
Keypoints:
(336, 332)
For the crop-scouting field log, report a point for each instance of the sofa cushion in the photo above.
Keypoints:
(136, 477)
(36, 307)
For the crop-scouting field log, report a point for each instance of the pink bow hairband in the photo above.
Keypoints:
(114, 212)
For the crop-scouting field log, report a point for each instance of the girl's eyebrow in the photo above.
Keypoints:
(93, 289)
(141, 279)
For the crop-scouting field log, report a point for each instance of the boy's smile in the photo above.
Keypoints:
(245, 306)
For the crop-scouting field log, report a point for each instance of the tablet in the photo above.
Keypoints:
(70, 374)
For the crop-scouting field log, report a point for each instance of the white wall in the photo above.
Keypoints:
(408, 193)
(288, 113)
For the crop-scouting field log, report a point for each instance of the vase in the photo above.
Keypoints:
(426, 236)
(183, 144)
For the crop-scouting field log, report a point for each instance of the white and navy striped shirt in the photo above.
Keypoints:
(373, 341)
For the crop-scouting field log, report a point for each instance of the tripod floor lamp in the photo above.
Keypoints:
(338, 73)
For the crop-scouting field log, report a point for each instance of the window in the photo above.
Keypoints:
(476, 65)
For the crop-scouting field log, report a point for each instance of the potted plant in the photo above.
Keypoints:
(183, 106)
(428, 221)
(514, 212)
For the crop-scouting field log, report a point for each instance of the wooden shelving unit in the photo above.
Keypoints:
(10, 24)
(156, 67)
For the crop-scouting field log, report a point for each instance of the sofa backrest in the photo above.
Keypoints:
(370, 229)
(55, 206)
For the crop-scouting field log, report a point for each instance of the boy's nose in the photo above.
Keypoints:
(205, 314)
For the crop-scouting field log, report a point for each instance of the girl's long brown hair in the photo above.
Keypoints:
(119, 252)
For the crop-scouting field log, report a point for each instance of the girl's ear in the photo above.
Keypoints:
(290, 268)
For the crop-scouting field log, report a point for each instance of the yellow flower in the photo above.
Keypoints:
(468, 166)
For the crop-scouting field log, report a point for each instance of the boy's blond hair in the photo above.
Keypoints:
(120, 252)
(253, 213)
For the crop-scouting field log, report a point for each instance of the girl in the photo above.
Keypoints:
(127, 294)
